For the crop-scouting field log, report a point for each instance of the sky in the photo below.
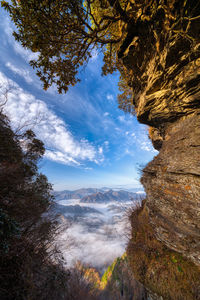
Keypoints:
(89, 141)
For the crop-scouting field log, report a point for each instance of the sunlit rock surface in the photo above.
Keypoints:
(167, 97)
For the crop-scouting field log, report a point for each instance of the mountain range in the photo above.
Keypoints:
(93, 195)
(110, 196)
(74, 209)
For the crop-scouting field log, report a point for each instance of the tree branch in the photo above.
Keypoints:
(116, 5)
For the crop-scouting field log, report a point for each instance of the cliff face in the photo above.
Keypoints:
(165, 273)
(168, 99)
(172, 183)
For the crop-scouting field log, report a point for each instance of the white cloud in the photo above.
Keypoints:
(23, 52)
(100, 150)
(94, 54)
(146, 146)
(121, 118)
(144, 142)
(25, 111)
(60, 157)
(127, 151)
(110, 97)
(106, 146)
(106, 114)
(20, 72)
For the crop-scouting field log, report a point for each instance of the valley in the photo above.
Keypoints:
(95, 232)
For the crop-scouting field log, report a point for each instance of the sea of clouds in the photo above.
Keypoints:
(94, 238)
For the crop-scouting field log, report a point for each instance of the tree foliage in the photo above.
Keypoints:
(64, 33)
(26, 229)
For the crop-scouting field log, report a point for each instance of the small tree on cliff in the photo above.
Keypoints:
(65, 32)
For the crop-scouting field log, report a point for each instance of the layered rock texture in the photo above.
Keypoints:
(172, 183)
(165, 78)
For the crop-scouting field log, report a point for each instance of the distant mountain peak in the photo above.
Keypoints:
(110, 196)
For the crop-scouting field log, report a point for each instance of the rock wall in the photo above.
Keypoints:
(172, 184)
(167, 97)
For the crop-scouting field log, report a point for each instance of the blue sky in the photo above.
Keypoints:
(89, 141)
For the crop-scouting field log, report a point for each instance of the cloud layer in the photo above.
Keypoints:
(19, 71)
(95, 239)
(25, 111)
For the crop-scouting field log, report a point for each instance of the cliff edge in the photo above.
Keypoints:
(163, 62)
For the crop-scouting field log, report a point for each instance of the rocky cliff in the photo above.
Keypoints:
(164, 73)
(172, 183)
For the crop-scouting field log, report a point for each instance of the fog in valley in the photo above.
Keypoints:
(93, 233)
